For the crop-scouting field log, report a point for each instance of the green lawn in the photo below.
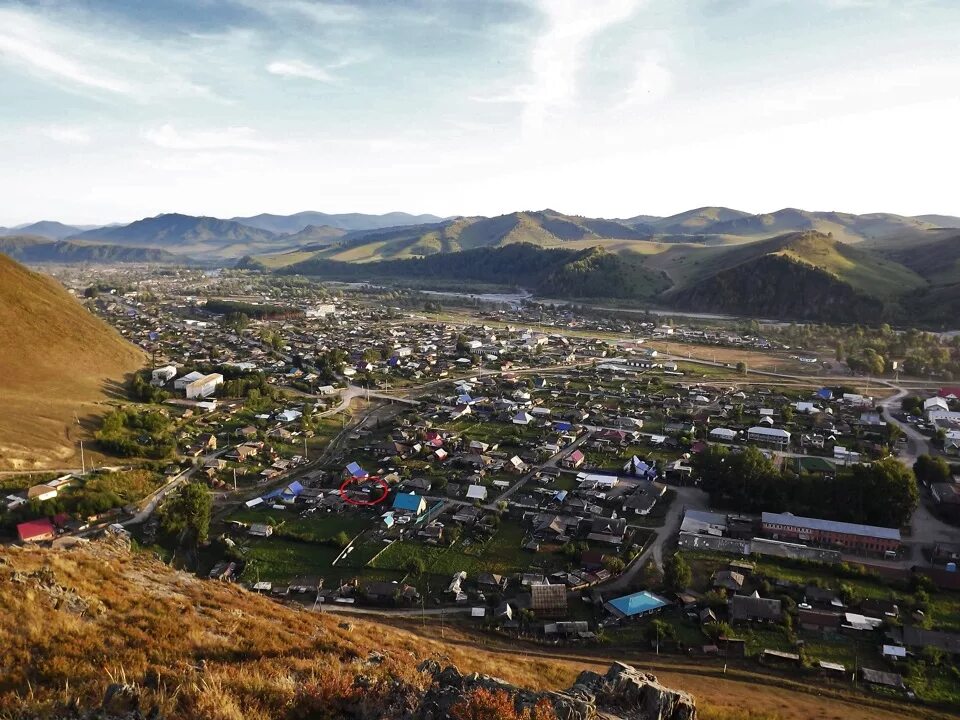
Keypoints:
(501, 554)
(278, 560)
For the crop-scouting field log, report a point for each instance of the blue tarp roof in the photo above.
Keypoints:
(293, 489)
(562, 426)
(355, 470)
(560, 495)
(825, 393)
(407, 501)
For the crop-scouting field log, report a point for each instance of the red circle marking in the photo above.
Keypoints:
(365, 503)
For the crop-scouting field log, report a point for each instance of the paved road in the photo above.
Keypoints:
(688, 498)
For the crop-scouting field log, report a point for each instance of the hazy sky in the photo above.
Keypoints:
(112, 110)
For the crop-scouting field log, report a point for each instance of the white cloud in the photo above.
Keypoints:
(67, 135)
(652, 82)
(300, 69)
(168, 137)
(23, 41)
(321, 13)
(81, 55)
(557, 56)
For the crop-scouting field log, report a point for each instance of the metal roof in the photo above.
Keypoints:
(830, 526)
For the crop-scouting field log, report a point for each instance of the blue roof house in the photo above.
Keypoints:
(635, 605)
(355, 471)
(410, 502)
(290, 493)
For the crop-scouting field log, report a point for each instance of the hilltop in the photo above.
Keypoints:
(590, 273)
(35, 249)
(56, 359)
(808, 276)
(186, 234)
(50, 229)
(78, 622)
(288, 224)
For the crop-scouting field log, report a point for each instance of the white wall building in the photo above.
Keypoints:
(204, 386)
(775, 437)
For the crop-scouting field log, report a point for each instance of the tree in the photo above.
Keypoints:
(676, 572)
(415, 566)
(614, 564)
(660, 631)
(742, 368)
(341, 539)
(931, 469)
(187, 513)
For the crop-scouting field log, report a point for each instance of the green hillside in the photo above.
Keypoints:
(780, 286)
(590, 273)
(30, 249)
(546, 228)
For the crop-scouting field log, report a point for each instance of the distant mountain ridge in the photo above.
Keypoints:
(33, 249)
(47, 229)
(288, 224)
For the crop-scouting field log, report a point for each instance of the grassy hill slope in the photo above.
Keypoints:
(186, 234)
(798, 275)
(73, 621)
(32, 249)
(56, 359)
(557, 272)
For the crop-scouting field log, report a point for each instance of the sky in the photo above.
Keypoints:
(111, 111)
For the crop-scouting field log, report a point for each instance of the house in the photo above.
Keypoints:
(753, 608)
(522, 418)
(203, 386)
(353, 470)
(477, 492)
(947, 497)
(36, 530)
(574, 460)
(636, 605)
(723, 434)
(881, 678)
(410, 502)
(161, 376)
(549, 600)
(774, 437)
(260, 530)
(182, 382)
(41, 492)
(607, 530)
(728, 580)
(491, 581)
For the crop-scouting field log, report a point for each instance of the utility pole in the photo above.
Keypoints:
(83, 462)
(306, 456)
(234, 479)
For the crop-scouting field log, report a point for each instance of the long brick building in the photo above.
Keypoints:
(849, 536)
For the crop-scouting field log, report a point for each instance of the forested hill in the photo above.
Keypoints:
(590, 273)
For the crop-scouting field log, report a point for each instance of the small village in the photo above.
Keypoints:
(530, 471)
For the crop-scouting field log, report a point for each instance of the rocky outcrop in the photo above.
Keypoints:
(623, 693)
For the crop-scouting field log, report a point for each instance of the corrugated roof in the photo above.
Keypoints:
(831, 526)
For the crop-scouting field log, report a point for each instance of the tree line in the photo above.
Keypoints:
(883, 493)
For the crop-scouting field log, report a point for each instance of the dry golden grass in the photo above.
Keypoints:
(57, 361)
(201, 649)
(754, 359)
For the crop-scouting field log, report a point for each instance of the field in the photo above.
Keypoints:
(59, 364)
(755, 359)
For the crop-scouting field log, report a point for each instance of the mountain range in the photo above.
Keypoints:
(871, 267)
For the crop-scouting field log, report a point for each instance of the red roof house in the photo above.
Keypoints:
(36, 530)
